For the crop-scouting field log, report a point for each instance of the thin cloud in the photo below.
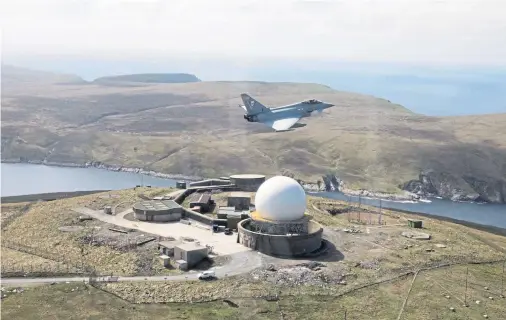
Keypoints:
(438, 32)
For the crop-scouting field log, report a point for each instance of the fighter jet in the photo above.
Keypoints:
(280, 118)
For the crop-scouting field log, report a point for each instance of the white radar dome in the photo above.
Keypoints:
(280, 198)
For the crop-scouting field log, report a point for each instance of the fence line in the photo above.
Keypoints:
(79, 266)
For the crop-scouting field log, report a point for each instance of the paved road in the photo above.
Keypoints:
(240, 263)
(222, 244)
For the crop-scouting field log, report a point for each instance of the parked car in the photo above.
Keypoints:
(206, 275)
(228, 231)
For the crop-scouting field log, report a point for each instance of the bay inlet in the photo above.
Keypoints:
(22, 179)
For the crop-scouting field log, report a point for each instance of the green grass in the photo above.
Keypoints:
(426, 300)
(85, 302)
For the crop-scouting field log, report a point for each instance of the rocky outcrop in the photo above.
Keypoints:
(332, 182)
(457, 188)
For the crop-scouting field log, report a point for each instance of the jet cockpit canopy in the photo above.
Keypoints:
(312, 101)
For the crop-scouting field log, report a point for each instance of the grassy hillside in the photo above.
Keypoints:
(198, 129)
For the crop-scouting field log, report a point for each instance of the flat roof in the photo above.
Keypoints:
(231, 210)
(169, 244)
(201, 197)
(156, 205)
(190, 246)
(247, 176)
(238, 194)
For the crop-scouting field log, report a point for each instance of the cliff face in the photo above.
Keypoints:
(457, 188)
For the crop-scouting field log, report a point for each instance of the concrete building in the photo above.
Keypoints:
(239, 200)
(165, 260)
(190, 252)
(202, 200)
(209, 182)
(225, 212)
(247, 182)
(233, 221)
(279, 225)
(160, 211)
(167, 247)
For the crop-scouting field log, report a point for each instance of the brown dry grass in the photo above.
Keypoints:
(197, 129)
(15, 261)
(38, 228)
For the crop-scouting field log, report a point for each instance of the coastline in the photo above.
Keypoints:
(307, 186)
(103, 166)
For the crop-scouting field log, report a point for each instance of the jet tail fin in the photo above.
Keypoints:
(252, 106)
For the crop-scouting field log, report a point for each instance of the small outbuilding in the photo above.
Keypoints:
(232, 221)
(165, 260)
(192, 253)
(202, 200)
(239, 200)
(181, 184)
(415, 223)
(155, 210)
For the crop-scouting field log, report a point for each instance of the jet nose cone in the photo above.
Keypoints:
(328, 105)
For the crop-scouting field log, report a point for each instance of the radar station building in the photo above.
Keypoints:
(161, 211)
(279, 226)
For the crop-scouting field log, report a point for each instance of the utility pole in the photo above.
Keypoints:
(465, 294)
(379, 221)
(502, 278)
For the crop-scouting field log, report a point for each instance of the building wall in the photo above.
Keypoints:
(232, 222)
(192, 257)
(209, 182)
(242, 202)
(299, 227)
(174, 216)
(204, 207)
(195, 256)
(247, 184)
(190, 214)
(281, 245)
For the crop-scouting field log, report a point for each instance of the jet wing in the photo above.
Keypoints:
(282, 124)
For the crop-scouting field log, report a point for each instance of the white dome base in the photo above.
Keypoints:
(280, 198)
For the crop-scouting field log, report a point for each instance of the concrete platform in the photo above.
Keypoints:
(222, 244)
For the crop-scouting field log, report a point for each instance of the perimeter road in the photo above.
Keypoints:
(240, 263)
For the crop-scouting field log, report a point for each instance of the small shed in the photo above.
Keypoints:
(202, 200)
(107, 210)
(239, 200)
(166, 260)
(232, 221)
(415, 223)
(181, 184)
(192, 253)
(182, 265)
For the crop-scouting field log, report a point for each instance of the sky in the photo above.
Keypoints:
(449, 32)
